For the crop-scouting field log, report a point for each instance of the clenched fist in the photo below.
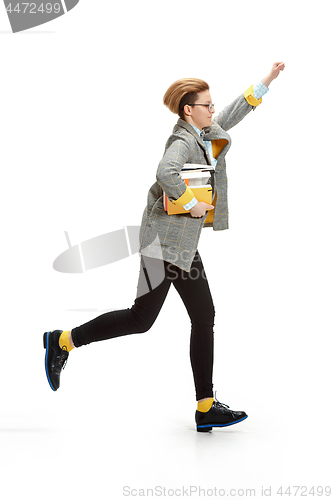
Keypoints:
(200, 208)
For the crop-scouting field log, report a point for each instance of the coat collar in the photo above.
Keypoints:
(183, 124)
(214, 132)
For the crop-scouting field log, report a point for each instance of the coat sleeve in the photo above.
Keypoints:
(237, 110)
(168, 175)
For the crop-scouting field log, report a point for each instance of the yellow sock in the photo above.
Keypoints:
(64, 341)
(206, 405)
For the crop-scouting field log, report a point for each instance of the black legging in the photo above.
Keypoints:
(194, 290)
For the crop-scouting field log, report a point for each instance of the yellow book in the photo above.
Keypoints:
(202, 193)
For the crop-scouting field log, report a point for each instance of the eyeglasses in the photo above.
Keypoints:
(209, 106)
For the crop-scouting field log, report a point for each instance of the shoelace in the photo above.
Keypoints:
(218, 404)
(63, 357)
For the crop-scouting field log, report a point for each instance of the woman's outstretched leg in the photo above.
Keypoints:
(152, 290)
(137, 319)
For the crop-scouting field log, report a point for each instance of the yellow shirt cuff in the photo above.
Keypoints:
(248, 94)
(185, 198)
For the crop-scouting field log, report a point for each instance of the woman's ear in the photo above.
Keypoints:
(187, 110)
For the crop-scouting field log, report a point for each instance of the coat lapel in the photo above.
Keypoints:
(183, 124)
(220, 138)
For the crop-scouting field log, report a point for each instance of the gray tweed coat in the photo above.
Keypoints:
(174, 238)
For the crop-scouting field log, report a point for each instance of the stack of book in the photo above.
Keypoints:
(197, 178)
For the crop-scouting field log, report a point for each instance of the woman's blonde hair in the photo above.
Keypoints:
(182, 92)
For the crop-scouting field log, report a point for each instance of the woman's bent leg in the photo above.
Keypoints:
(138, 319)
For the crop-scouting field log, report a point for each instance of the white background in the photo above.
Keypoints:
(83, 128)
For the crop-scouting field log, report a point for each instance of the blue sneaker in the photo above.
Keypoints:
(55, 358)
(219, 415)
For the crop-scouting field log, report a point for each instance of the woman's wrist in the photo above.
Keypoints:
(274, 73)
(267, 80)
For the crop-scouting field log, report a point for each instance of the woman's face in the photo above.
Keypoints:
(199, 116)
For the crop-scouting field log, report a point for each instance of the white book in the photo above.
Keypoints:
(196, 166)
(196, 179)
(196, 175)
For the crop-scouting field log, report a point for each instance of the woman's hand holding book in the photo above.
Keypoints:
(200, 208)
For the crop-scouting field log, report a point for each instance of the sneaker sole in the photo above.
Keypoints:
(208, 427)
(46, 346)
